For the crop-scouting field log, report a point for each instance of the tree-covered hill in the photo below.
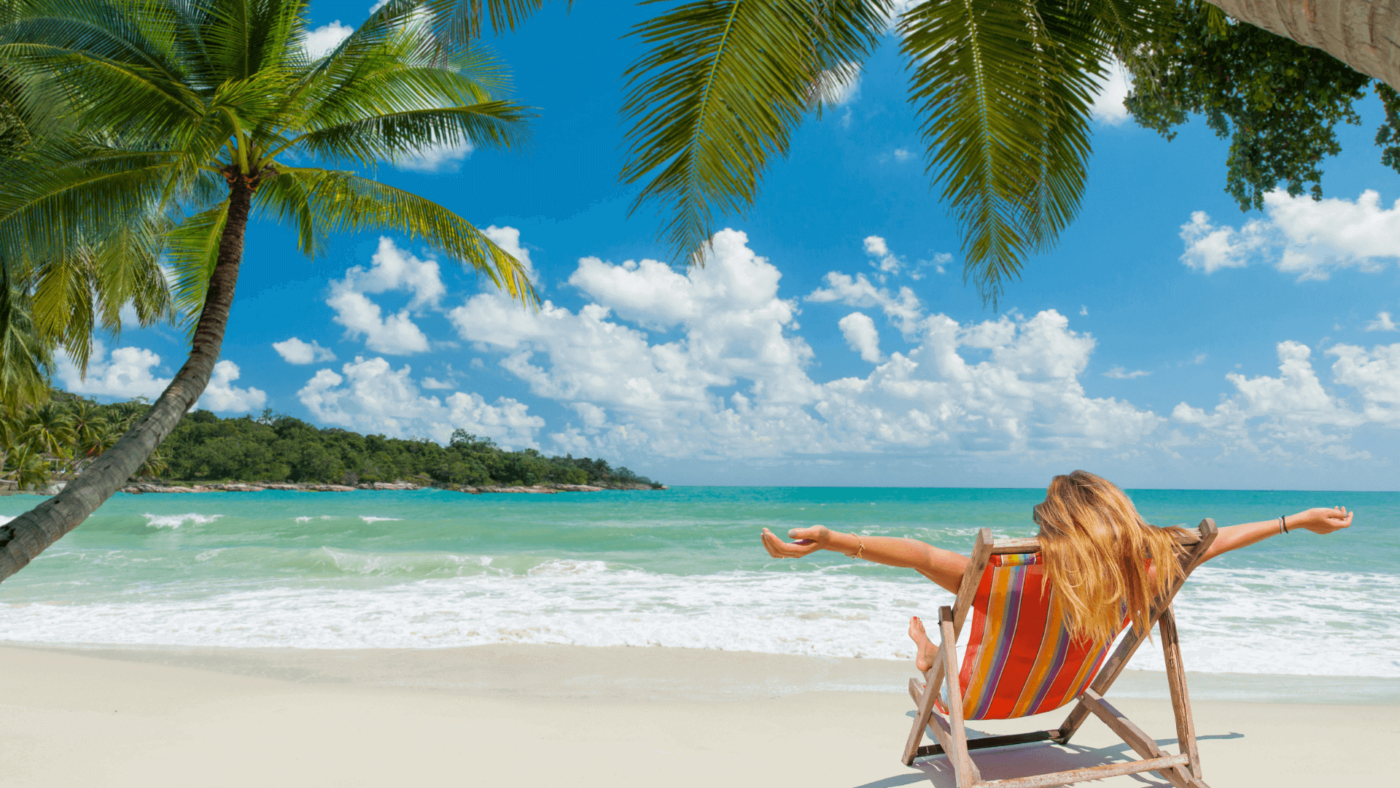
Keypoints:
(56, 439)
(276, 448)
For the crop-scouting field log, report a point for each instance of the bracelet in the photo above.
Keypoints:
(860, 550)
(1283, 524)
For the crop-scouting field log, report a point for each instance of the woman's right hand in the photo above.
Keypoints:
(809, 540)
(1321, 521)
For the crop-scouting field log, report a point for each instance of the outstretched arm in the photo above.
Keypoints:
(1319, 521)
(943, 567)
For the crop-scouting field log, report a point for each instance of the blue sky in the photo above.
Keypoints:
(1169, 341)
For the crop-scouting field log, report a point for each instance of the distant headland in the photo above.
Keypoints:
(273, 451)
(537, 489)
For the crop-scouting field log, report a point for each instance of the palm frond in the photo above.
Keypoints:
(717, 94)
(395, 136)
(1005, 91)
(346, 202)
(61, 195)
(26, 359)
(191, 251)
(106, 59)
(466, 20)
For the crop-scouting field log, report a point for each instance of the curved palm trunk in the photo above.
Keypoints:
(31, 533)
(1364, 34)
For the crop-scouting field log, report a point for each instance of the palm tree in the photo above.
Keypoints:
(206, 113)
(49, 430)
(26, 468)
(90, 430)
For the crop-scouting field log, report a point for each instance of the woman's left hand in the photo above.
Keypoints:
(1321, 521)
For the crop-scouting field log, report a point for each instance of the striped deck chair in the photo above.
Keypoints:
(1019, 662)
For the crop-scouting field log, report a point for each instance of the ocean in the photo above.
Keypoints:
(678, 568)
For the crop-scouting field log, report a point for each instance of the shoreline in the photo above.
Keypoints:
(145, 488)
(592, 717)
(536, 489)
(497, 669)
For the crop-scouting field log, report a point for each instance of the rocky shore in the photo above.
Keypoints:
(143, 487)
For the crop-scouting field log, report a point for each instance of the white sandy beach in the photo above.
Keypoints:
(541, 715)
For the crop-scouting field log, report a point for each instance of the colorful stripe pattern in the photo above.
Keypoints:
(1020, 660)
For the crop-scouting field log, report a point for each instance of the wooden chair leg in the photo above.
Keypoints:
(965, 771)
(925, 711)
(1181, 701)
(1133, 736)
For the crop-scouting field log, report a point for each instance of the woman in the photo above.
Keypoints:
(1100, 556)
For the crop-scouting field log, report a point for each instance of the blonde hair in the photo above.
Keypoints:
(1099, 555)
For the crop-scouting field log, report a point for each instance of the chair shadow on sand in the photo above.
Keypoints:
(1028, 760)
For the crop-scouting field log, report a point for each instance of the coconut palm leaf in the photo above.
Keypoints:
(345, 202)
(26, 359)
(718, 92)
(192, 250)
(466, 20)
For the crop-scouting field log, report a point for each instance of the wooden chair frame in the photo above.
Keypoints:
(1182, 770)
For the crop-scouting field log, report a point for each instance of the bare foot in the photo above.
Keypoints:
(927, 651)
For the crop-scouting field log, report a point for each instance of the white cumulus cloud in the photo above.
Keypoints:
(320, 41)
(1267, 412)
(438, 158)
(904, 309)
(295, 351)
(128, 372)
(125, 374)
(861, 334)
(881, 256)
(1118, 373)
(1302, 236)
(729, 378)
(221, 396)
(1211, 248)
(391, 270)
(1111, 90)
(1375, 374)
(371, 396)
(1383, 322)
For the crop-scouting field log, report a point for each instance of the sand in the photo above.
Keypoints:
(570, 716)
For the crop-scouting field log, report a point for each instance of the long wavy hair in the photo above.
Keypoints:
(1100, 557)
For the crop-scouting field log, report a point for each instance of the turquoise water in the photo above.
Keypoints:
(676, 568)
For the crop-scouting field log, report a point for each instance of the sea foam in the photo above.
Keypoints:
(177, 520)
(1228, 623)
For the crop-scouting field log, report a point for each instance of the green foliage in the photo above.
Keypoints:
(1005, 93)
(718, 92)
(278, 448)
(56, 437)
(1278, 102)
(60, 437)
(1388, 136)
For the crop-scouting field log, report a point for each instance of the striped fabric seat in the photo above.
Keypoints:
(1019, 659)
